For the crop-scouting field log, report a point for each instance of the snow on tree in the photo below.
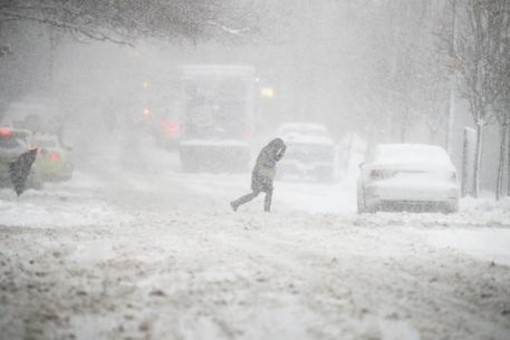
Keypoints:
(124, 20)
(480, 50)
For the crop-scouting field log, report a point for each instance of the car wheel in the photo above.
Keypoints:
(450, 208)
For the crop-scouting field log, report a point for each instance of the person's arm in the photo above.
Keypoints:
(280, 153)
(266, 159)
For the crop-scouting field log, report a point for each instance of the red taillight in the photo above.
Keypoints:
(54, 156)
(5, 132)
(171, 129)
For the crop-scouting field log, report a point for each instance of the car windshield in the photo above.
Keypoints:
(308, 153)
(46, 143)
(10, 142)
(215, 108)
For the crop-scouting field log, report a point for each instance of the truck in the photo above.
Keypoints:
(216, 123)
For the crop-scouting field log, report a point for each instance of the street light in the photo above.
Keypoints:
(267, 92)
(146, 85)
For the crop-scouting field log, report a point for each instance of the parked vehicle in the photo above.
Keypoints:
(216, 117)
(310, 152)
(161, 123)
(408, 177)
(54, 162)
(14, 143)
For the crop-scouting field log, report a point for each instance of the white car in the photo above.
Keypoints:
(310, 152)
(413, 177)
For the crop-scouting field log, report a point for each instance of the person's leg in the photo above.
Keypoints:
(267, 200)
(244, 199)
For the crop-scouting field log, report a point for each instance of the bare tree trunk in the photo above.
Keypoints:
(468, 161)
(478, 158)
(451, 102)
(501, 165)
(508, 161)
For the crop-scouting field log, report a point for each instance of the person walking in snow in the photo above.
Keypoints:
(263, 174)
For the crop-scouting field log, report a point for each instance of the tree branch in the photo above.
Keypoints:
(66, 26)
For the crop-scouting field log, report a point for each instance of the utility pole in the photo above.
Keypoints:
(451, 104)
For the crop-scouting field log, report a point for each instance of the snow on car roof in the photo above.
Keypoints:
(411, 153)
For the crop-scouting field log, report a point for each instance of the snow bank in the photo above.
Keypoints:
(65, 204)
(481, 229)
(486, 244)
(488, 240)
(27, 213)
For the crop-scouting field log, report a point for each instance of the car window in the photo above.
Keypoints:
(303, 130)
(46, 143)
(11, 142)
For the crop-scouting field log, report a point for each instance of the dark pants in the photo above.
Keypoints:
(248, 197)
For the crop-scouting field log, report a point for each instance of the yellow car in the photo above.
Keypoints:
(53, 161)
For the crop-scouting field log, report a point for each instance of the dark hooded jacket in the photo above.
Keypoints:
(265, 169)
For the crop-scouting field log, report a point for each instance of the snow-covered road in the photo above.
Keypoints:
(157, 254)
